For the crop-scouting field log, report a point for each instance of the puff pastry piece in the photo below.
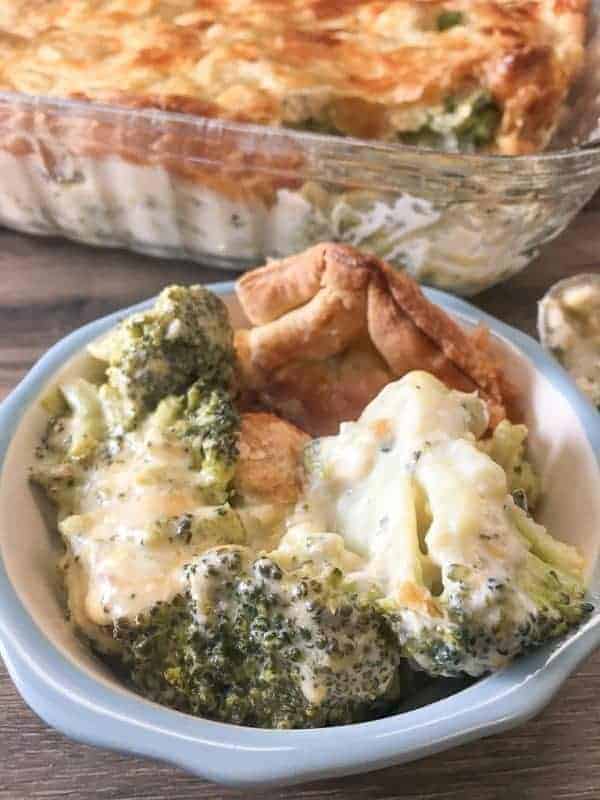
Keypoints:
(268, 467)
(334, 325)
(367, 68)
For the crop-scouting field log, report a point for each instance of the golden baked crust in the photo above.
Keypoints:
(334, 325)
(267, 470)
(369, 68)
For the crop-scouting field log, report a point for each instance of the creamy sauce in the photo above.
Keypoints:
(110, 202)
(393, 499)
(570, 328)
(129, 540)
(409, 492)
(396, 505)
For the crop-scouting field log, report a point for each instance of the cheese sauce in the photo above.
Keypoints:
(408, 490)
(140, 518)
(111, 202)
(394, 500)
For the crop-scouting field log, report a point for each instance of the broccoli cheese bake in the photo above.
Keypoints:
(456, 74)
(228, 565)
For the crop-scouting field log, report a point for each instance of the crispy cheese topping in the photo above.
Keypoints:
(467, 73)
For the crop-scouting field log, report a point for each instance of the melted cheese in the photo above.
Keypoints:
(124, 549)
(407, 489)
(394, 500)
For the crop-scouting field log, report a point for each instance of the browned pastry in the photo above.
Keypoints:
(377, 69)
(334, 325)
(268, 463)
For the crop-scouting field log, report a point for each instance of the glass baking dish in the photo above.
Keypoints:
(233, 195)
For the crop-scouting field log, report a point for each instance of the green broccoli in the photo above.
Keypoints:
(480, 622)
(516, 587)
(465, 124)
(449, 19)
(478, 129)
(468, 579)
(206, 423)
(73, 435)
(184, 338)
(507, 447)
(252, 644)
(169, 368)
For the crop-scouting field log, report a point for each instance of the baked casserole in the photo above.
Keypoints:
(487, 75)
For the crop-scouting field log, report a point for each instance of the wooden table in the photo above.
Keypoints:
(47, 288)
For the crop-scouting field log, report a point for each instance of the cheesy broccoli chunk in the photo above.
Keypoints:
(468, 579)
(184, 338)
(251, 643)
(140, 463)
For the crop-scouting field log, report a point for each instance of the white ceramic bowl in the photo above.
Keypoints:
(75, 693)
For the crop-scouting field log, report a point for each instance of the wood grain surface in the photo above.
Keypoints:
(48, 288)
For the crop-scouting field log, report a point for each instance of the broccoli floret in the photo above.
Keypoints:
(449, 19)
(507, 447)
(464, 124)
(206, 423)
(173, 363)
(217, 524)
(61, 459)
(467, 578)
(184, 338)
(492, 608)
(211, 423)
(252, 644)
(481, 125)
(58, 478)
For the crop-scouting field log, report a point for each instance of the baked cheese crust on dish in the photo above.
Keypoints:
(458, 74)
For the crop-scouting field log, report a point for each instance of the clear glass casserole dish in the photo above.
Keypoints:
(233, 195)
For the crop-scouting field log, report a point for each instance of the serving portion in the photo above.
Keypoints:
(228, 565)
